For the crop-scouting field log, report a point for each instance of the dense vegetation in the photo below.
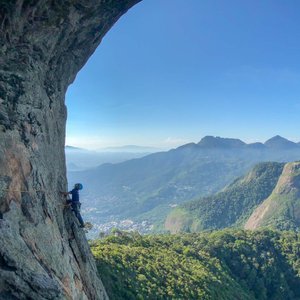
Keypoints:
(220, 265)
(231, 207)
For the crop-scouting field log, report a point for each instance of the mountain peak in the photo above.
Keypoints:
(219, 142)
(280, 142)
(277, 138)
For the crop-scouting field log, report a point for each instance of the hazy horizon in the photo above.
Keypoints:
(159, 148)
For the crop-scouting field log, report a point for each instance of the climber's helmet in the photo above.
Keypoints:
(78, 186)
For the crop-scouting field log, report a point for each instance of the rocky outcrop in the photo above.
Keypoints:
(282, 208)
(43, 44)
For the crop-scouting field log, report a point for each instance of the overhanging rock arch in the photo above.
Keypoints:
(43, 44)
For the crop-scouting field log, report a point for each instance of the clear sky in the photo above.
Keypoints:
(172, 71)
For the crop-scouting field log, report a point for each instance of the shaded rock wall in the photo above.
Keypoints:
(43, 44)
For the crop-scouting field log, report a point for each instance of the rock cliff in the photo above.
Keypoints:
(282, 208)
(43, 44)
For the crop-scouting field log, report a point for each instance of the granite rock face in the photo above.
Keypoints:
(281, 210)
(43, 44)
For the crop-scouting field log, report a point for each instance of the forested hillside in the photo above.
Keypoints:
(220, 265)
(231, 207)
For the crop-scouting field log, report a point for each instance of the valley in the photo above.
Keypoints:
(143, 191)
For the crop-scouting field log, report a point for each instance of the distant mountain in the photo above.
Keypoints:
(218, 142)
(146, 188)
(256, 146)
(67, 147)
(79, 159)
(282, 208)
(278, 142)
(231, 207)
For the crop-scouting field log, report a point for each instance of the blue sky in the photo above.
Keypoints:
(172, 71)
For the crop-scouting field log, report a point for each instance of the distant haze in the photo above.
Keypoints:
(79, 159)
(149, 149)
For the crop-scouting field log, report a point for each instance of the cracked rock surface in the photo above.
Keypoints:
(43, 44)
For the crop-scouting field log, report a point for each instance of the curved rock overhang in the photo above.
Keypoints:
(43, 44)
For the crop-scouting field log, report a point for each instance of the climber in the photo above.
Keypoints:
(75, 202)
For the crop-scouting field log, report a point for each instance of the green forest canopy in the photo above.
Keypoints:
(227, 264)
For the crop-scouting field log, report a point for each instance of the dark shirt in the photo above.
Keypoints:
(75, 195)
